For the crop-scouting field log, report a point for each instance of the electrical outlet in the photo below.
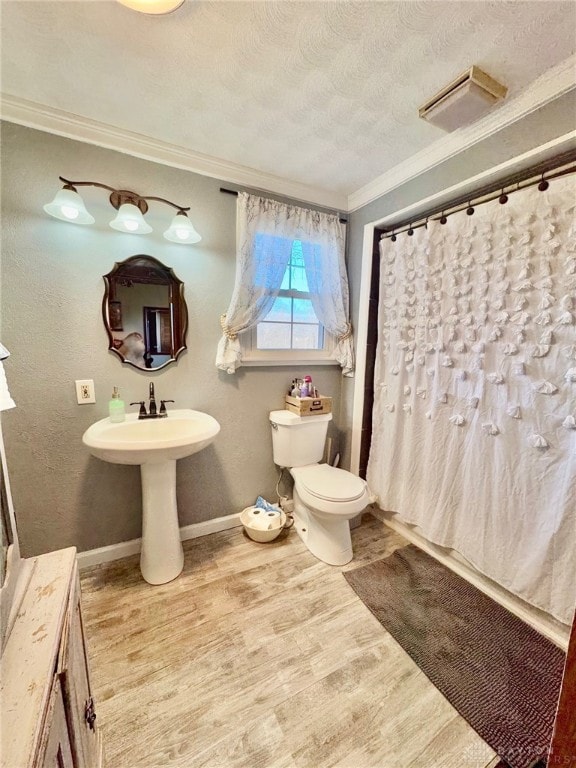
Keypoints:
(85, 391)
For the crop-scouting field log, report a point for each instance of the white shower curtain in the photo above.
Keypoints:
(474, 429)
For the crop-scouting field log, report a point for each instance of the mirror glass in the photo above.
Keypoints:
(145, 313)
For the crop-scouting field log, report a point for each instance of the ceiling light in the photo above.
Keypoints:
(181, 230)
(69, 206)
(152, 7)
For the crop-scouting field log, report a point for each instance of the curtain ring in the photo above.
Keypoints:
(410, 231)
(503, 199)
(469, 210)
(443, 218)
(543, 186)
(393, 237)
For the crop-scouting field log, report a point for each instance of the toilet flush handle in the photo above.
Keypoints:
(273, 425)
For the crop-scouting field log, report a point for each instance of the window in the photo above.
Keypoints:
(298, 252)
(291, 330)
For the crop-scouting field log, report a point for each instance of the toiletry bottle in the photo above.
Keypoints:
(116, 407)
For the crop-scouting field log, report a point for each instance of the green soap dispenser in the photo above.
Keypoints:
(116, 408)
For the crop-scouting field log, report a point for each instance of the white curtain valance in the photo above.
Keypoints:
(266, 232)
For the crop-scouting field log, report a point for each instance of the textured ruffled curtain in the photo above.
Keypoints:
(474, 423)
(266, 232)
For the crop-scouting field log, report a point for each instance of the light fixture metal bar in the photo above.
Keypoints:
(120, 196)
(163, 200)
(86, 184)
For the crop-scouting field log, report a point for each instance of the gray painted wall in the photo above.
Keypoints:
(51, 293)
(555, 119)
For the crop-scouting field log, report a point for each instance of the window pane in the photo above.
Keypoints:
(281, 310)
(299, 281)
(304, 311)
(297, 257)
(270, 252)
(273, 335)
(306, 337)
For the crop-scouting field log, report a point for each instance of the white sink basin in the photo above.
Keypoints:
(155, 444)
(181, 433)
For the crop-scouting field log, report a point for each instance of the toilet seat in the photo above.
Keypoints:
(330, 491)
(329, 483)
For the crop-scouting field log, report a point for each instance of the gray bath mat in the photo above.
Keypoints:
(501, 675)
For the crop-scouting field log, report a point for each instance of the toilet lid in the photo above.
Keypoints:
(329, 483)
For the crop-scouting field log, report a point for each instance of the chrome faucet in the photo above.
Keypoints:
(152, 412)
(152, 404)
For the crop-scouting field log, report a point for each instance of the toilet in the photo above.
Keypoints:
(325, 498)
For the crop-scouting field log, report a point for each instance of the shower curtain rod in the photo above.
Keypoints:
(539, 174)
(235, 193)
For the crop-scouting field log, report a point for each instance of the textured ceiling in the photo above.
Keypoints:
(324, 93)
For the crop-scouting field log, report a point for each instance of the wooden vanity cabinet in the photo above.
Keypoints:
(56, 750)
(48, 713)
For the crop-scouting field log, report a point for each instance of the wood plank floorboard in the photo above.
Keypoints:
(261, 656)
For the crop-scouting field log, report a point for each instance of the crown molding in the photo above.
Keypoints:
(553, 83)
(46, 118)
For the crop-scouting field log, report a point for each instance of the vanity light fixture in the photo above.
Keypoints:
(69, 206)
(129, 219)
(181, 230)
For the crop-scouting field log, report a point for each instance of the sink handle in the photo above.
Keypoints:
(142, 404)
(163, 405)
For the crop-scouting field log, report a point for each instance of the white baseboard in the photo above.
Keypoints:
(541, 621)
(132, 547)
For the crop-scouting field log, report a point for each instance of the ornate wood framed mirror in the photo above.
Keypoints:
(144, 312)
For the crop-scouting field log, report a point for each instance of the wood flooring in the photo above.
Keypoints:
(261, 656)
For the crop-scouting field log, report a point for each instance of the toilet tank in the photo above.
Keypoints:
(298, 440)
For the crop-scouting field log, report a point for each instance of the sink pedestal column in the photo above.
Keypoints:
(162, 556)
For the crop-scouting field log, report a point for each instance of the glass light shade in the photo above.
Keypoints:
(69, 206)
(155, 7)
(181, 230)
(129, 219)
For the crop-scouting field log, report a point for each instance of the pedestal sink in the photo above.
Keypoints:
(155, 444)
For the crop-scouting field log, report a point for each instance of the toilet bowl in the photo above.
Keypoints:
(325, 498)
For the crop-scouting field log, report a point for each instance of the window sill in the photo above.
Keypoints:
(287, 361)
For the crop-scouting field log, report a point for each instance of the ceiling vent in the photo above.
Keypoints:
(466, 99)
